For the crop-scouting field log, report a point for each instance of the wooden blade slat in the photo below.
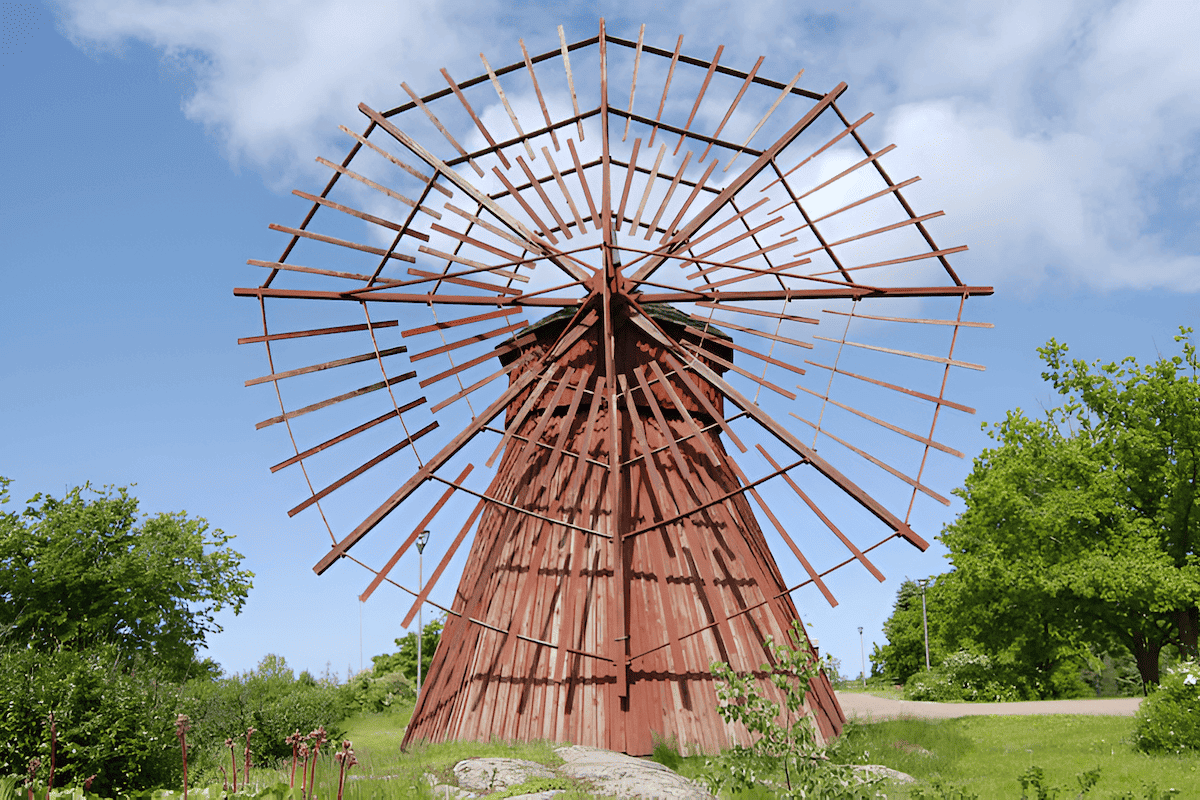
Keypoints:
(847, 171)
(337, 362)
(663, 497)
(637, 60)
(701, 440)
(511, 114)
(570, 79)
(538, 91)
(666, 87)
(319, 237)
(632, 168)
(475, 219)
(353, 276)
(712, 67)
(475, 118)
(662, 151)
(441, 567)
(653, 226)
(745, 273)
(274, 337)
(437, 123)
(740, 237)
(562, 187)
(475, 265)
(354, 473)
(804, 562)
(470, 340)
(763, 121)
(703, 400)
(766, 335)
(477, 385)
(758, 312)
(837, 138)
(750, 352)
(537, 187)
(958, 323)
(454, 323)
(884, 229)
(395, 412)
(916, 437)
(465, 239)
(462, 367)
(692, 243)
(686, 205)
(511, 427)
(408, 201)
(921, 356)
(412, 537)
(733, 105)
(766, 384)
(681, 464)
(432, 181)
(904, 260)
(867, 199)
(332, 400)
(543, 228)
(587, 192)
(452, 278)
(520, 509)
(910, 392)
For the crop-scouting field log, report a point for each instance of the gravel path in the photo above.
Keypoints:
(871, 708)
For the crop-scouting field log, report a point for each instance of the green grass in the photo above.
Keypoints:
(878, 690)
(986, 754)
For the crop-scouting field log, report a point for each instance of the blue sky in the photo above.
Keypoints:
(147, 147)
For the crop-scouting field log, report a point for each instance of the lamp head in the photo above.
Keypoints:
(421, 540)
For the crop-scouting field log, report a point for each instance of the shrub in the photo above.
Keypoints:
(1169, 718)
(964, 677)
(380, 693)
(269, 699)
(112, 723)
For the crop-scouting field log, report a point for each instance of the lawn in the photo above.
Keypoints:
(982, 755)
(985, 755)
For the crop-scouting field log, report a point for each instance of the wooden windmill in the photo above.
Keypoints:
(597, 288)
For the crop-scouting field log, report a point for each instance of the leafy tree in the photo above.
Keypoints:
(1082, 527)
(405, 660)
(904, 653)
(87, 571)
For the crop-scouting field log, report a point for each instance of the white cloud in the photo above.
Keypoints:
(1053, 135)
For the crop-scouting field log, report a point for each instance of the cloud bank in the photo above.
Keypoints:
(1061, 139)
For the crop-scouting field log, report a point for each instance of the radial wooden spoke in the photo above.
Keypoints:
(317, 237)
(438, 124)
(537, 187)
(407, 168)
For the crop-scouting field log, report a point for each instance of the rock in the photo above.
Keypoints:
(496, 774)
(880, 771)
(442, 791)
(537, 795)
(620, 775)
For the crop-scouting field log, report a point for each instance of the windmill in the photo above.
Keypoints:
(629, 319)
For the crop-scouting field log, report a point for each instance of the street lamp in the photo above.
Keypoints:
(923, 582)
(421, 540)
(862, 649)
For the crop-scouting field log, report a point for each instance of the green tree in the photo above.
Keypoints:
(1081, 527)
(404, 661)
(904, 653)
(87, 571)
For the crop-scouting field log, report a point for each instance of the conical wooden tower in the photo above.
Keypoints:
(637, 623)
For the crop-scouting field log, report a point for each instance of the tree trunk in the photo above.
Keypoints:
(1188, 621)
(1146, 654)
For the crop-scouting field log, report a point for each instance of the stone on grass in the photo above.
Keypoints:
(497, 774)
(619, 775)
(879, 771)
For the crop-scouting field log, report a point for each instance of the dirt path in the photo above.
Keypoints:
(871, 708)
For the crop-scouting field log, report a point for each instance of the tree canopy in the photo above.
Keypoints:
(1082, 526)
(88, 571)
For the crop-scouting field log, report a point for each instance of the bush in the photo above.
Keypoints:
(380, 693)
(1169, 718)
(269, 699)
(964, 677)
(112, 723)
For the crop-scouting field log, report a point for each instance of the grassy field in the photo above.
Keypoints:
(983, 755)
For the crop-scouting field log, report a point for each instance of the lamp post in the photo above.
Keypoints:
(862, 650)
(923, 582)
(421, 540)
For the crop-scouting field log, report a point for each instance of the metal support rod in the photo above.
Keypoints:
(925, 619)
(862, 649)
(421, 540)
